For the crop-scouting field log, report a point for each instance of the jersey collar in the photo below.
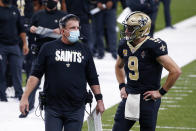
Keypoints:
(134, 49)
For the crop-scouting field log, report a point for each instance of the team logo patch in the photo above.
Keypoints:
(143, 54)
(125, 52)
(162, 48)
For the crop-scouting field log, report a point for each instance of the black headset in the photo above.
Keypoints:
(63, 20)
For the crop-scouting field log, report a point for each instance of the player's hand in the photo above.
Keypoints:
(109, 4)
(123, 93)
(100, 107)
(33, 29)
(100, 5)
(57, 31)
(25, 49)
(24, 105)
(152, 94)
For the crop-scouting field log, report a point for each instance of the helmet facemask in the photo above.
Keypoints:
(129, 32)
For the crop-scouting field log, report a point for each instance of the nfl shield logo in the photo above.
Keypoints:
(125, 52)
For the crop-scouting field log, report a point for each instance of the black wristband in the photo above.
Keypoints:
(121, 85)
(98, 97)
(162, 91)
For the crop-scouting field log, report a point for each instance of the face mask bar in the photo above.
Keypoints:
(129, 30)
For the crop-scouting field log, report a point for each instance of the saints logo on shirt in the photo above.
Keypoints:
(68, 65)
(68, 56)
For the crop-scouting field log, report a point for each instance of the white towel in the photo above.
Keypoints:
(132, 107)
(123, 15)
(94, 121)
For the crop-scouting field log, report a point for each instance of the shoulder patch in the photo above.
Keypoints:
(163, 48)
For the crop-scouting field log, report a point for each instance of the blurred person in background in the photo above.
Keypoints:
(104, 19)
(11, 31)
(47, 19)
(150, 7)
(166, 6)
(81, 9)
(123, 3)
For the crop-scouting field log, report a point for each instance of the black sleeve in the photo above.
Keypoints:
(20, 23)
(34, 19)
(159, 48)
(39, 66)
(34, 22)
(120, 48)
(91, 73)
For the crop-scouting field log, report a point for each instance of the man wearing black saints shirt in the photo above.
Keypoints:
(68, 66)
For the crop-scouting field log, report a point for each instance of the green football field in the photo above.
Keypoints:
(178, 108)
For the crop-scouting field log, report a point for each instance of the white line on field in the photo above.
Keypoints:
(165, 101)
(170, 106)
(172, 98)
(176, 128)
(164, 127)
(187, 91)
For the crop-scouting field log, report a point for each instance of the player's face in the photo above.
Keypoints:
(128, 30)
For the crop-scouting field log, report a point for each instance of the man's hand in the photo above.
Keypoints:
(100, 107)
(109, 4)
(33, 29)
(152, 94)
(57, 31)
(24, 105)
(100, 5)
(25, 49)
(123, 93)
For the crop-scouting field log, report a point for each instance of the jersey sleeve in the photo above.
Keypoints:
(120, 48)
(91, 72)
(159, 48)
(40, 63)
(34, 19)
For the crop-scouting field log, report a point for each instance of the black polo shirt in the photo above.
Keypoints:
(11, 25)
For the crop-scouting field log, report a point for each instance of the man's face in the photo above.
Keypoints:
(51, 4)
(71, 25)
(128, 30)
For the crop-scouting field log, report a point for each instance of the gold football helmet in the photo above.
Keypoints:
(136, 25)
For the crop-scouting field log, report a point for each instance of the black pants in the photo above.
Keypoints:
(166, 5)
(11, 54)
(148, 116)
(70, 121)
